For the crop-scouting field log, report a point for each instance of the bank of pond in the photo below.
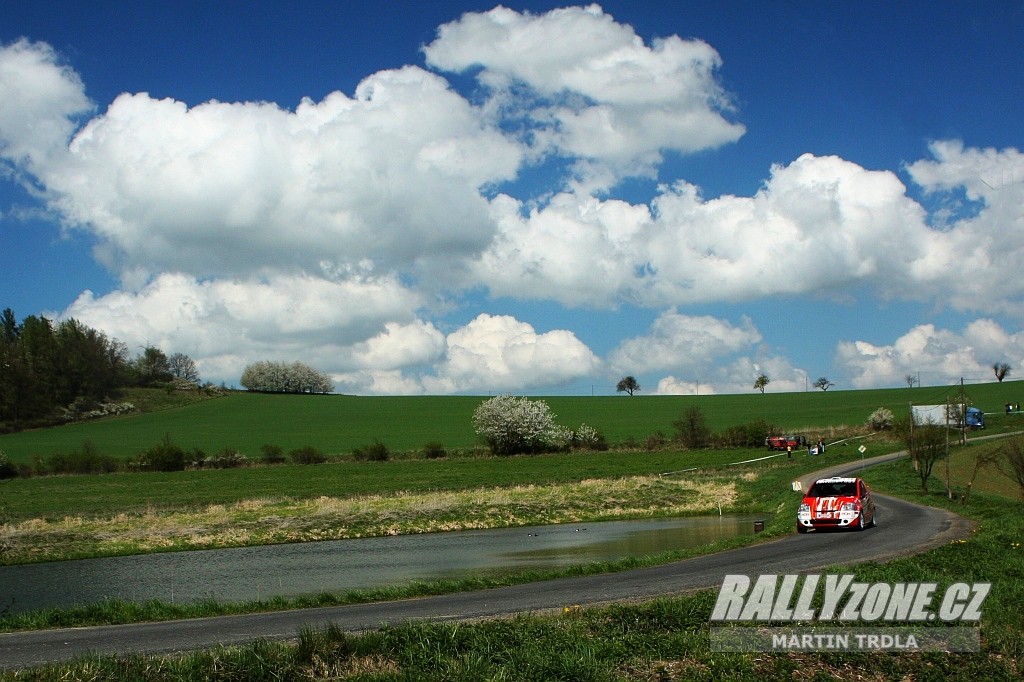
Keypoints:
(339, 566)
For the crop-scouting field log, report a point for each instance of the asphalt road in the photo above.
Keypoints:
(903, 528)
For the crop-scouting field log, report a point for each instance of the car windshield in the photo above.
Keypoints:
(833, 489)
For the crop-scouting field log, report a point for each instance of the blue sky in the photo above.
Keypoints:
(424, 198)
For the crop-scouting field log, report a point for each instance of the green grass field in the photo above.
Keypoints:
(54, 497)
(337, 424)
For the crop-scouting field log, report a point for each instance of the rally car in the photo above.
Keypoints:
(836, 503)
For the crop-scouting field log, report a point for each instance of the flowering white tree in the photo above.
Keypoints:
(588, 438)
(280, 377)
(511, 425)
(881, 419)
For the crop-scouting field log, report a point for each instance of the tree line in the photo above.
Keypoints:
(46, 366)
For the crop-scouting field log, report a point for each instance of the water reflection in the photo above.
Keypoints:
(291, 570)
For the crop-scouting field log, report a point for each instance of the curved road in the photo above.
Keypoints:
(918, 528)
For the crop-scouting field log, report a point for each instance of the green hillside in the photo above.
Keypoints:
(337, 424)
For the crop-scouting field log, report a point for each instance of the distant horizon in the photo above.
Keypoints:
(639, 394)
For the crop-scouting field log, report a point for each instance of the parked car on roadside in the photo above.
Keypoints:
(787, 442)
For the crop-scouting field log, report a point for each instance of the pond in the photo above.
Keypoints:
(253, 573)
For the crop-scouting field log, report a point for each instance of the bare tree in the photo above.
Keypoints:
(1002, 370)
(1012, 463)
(761, 381)
(910, 379)
(982, 460)
(182, 366)
(823, 383)
(928, 447)
(692, 428)
(628, 384)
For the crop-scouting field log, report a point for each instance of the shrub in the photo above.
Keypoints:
(7, 469)
(749, 435)
(655, 441)
(228, 458)
(434, 451)
(378, 452)
(198, 457)
(692, 428)
(558, 439)
(182, 384)
(589, 438)
(272, 454)
(511, 425)
(165, 456)
(880, 419)
(307, 455)
(86, 461)
(83, 409)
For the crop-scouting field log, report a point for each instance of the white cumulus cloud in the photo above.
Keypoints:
(972, 262)
(227, 324)
(601, 94)
(499, 353)
(933, 355)
(388, 180)
(672, 385)
(689, 343)
(493, 353)
(41, 100)
(819, 225)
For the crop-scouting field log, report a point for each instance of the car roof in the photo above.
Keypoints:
(837, 486)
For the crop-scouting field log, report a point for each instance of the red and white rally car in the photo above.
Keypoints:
(836, 503)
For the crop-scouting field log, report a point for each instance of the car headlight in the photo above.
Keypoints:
(850, 506)
(804, 508)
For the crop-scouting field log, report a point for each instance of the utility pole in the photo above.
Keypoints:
(949, 492)
(963, 413)
(913, 448)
